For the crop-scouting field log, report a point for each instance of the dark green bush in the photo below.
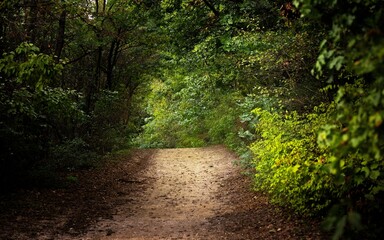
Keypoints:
(72, 154)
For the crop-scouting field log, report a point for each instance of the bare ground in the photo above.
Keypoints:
(191, 193)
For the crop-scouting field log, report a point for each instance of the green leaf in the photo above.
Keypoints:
(374, 174)
(295, 168)
(366, 170)
(336, 63)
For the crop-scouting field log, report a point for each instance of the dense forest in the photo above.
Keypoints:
(296, 88)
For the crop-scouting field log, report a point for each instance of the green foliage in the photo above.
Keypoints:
(351, 55)
(203, 91)
(221, 121)
(34, 116)
(289, 164)
(175, 115)
(356, 150)
(107, 130)
(71, 155)
(52, 107)
(27, 67)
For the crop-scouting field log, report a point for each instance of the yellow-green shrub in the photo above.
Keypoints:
(289, 164)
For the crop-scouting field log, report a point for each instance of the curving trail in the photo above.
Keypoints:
(191, 193)
(180, 199)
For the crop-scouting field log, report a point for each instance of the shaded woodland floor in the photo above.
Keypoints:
(191, 193)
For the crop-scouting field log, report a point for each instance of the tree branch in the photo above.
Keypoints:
(210, 6)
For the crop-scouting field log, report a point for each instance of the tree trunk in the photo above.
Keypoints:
(112, 61)
(110, 65)
(93, 86)
(31, 20)
(61, 33)
(2, 36)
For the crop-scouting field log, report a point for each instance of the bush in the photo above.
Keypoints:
(109, 122)
(221, 121)
(289, 164)
(73, 154)
(356, 151)
(34, 115)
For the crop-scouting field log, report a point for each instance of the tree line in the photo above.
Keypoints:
(69, 72)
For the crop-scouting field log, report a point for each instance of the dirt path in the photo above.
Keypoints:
(194, 193)
(180, 200)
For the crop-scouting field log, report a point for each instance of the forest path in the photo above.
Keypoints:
(194, 193)
(190, 193)
(179, 201)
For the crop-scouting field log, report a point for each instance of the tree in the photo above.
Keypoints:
(69, 71)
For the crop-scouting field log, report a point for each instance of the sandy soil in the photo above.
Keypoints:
(192, 193)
